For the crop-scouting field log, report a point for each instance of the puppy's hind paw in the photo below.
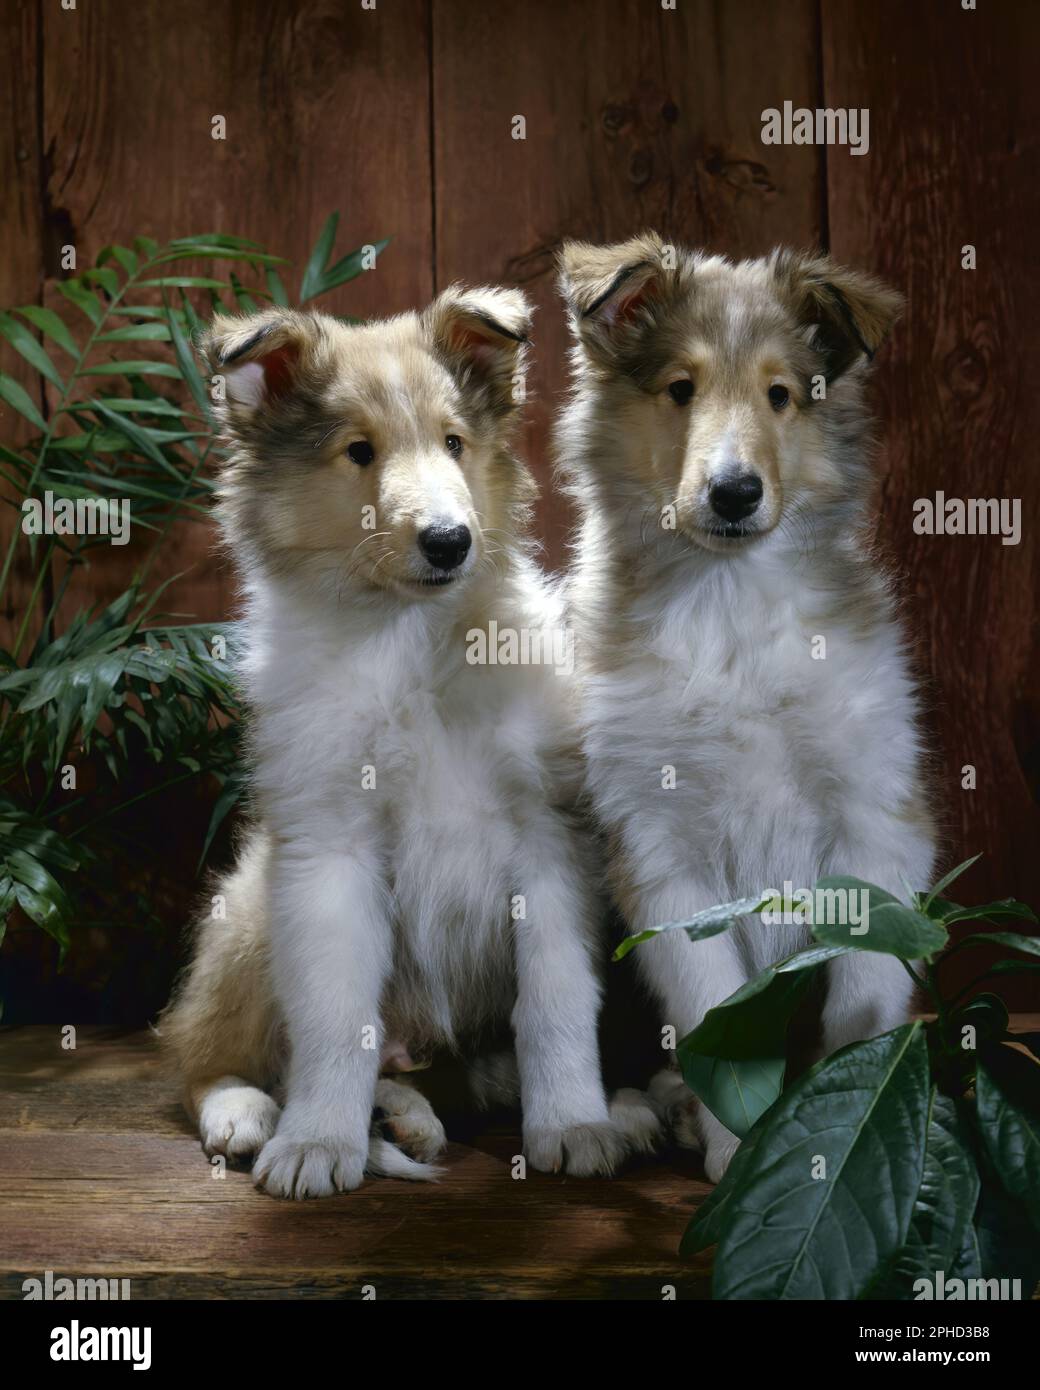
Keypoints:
(406, 1118)
(637, 1120)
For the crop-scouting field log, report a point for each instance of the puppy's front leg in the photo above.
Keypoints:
(689, 978)
(331, 950)
(566, 1121)
(869, 992)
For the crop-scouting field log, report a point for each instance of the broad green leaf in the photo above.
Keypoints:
(947, 879)
(836, 1173)
(968, 1262)
(937, 908)
(736, 1092)
(1014, 967)
(1006, 1239)
(710, 922)
(709, 1220)
(734, 1061)
(1007, 1097)
(17, 396)
(887, 926)
(986, 1013)
(86, 302)
(941, 1222)
(1012, 941)
(1006, 907)
(146, 246)
(31, 349)
(47, 321)
(752, 1023)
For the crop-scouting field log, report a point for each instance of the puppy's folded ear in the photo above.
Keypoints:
(847, 313)
(481, 335)
(260, 358)
(614, 293)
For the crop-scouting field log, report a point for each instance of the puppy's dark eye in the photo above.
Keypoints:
(361, 452)
(778, 397)
(681, 392)
(453, 444)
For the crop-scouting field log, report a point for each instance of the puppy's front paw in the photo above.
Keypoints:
(717, 1157)
(585, 1151)
(293, 1167)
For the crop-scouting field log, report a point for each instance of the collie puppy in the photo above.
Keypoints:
(415, 878)
(748, 715)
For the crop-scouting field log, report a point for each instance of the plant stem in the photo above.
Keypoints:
(41, 576)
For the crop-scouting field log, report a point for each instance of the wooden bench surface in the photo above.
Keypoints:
(104, 1177)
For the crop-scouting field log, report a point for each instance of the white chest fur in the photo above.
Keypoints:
(748, 705)
(373, 730)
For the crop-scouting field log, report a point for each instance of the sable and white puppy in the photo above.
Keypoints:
(416, 877)
(718, 446)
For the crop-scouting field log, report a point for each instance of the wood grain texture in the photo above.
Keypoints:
(400, 117)
(21, 264)
(954, 161)
(635, 117)
(105, 1177)
(327, 108)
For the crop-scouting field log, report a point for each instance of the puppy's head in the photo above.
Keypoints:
(376, 452)
(720, 388)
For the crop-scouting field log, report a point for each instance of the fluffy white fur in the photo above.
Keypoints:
(453, 895)
(697, 652)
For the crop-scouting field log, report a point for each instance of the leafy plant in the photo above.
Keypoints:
(894, 1159)
(113, 705)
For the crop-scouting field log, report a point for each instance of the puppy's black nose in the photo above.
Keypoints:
(735, 498)
(445, 546)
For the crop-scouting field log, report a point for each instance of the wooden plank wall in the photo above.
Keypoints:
(635, 115)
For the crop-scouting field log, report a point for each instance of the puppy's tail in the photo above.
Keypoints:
(385, 1160)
